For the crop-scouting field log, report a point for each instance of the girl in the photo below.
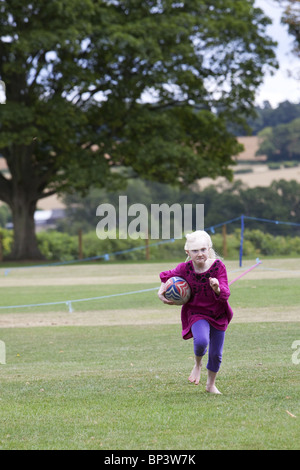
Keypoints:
(207, 314)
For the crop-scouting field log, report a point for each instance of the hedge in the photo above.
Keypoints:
(63, 247)
(57, 246)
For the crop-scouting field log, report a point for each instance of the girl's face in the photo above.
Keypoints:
(199, 256)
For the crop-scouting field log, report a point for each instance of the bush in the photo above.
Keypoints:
(242, 171)
(290, 164)
(7, 241)
(93, 246)
(267, 244)
(274, 166)
(57, 246)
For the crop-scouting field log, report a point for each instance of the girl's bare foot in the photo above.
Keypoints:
(196, 371)
(213, 389)
(210, 385)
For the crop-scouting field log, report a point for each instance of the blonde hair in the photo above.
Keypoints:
(194, 241)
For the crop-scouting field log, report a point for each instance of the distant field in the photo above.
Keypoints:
(260, 175)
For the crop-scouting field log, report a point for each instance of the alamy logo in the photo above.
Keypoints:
(2, 92)
(2, 353)
(296, 354)
(162, 221)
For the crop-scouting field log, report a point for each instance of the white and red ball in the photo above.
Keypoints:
(177, 290)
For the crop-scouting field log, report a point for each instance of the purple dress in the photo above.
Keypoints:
(204, 303)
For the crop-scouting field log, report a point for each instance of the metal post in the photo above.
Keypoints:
(242, 239)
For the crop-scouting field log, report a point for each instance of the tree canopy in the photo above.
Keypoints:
(291, 17)
(278, 201)
(267, 116)
(100, 90)
(281, 142)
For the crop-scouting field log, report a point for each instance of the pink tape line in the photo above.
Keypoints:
(246, 272)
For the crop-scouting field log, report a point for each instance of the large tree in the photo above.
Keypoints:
(99, 89)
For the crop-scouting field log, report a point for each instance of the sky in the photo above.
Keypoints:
(281, 86)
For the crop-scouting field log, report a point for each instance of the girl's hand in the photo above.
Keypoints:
(214, 284)
(161, 296)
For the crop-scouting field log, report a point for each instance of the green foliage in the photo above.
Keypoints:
(274, 166)
(291, 17)
(279, 201)
(243, 171)
(258, 243)
(281, 142)
(93, 88)
(57, 246)
(291, 164)
(266, 116)
(5, 215)
(7, 241)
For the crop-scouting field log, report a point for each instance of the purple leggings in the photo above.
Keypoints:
(204, 334)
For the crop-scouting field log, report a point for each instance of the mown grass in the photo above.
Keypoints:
(245, 293)
(126, 388)
(47, 294)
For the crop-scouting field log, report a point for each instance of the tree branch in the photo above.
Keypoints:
(49, 193)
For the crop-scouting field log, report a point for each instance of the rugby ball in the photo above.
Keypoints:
(177, 290)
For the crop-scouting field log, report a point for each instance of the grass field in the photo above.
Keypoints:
(113, 374)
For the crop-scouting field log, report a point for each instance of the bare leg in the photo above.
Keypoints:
(210, 385)
(196, 372)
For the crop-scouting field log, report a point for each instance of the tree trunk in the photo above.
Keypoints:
(25, 242)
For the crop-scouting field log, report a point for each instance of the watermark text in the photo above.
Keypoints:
(2, 353)
(161, 221)
(296, 354)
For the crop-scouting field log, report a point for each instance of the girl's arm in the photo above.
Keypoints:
(220, 285)
(215, 285)
(164, 276)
